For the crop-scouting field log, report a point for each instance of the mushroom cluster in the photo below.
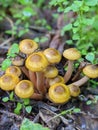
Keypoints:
(42, 79)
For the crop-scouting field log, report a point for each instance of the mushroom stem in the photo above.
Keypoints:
(80, 69)
(81, 81)
(37, 96)
(68, 74)
(40, 83)
(32, 77)
(25, 71)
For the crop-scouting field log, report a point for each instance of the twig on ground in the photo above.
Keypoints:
(11, 114)
(6, 42)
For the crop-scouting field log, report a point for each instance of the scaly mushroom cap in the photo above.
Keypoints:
(91, 71)
(59, 93)
(50, 71)
(74, 90)
(57, 79)
(14, 70)
(71, 54)
(36, 62)
(8, 82)
(18, 61)
(53, 56)
(27, 46)
(24, 89)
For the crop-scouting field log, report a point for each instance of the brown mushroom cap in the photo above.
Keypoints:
(59, 93)
(14, 70)
(57, 79)
(74, 90)
(36, 62)
(8, 82)
(91, 71)
(18, 61)
(71, 54)
(50, 71)
(24, 89)
(27, 46)
(53, 56)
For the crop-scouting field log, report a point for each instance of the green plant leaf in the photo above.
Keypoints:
(28, 109)
(26, 101)
(90, 57)
(29, 125)
(76, 110)
(95, 23)
(5, 99)
(5, 64)
(89, 102)
(76, 36)
(24, 2)
(11, 96)
(27, 11)
(91, 2)
(13, 50)
(66, 28)
(18, 108)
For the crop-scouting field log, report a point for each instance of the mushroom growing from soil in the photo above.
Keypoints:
(14, 70)
(24, 89)
(37, 62)
(59, 93)
(19, 61)
(28, 46)
(74, 90)
(8, 82)
(57, 79)
(90, 71)
(50, 71)
(53, 56)
(71, 54)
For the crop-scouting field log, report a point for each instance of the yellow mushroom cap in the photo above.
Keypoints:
(74, 90)
(59, 93)
(18, 61)
(91, 71)
(24, 89)
(52, 55)
(8, 82)
(27, 46)
(57, 79)
(71, 54)
(13, 70)
(50, 71)
(36, 62)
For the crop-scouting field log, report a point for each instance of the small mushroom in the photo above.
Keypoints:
(14, 70)
(71, 54)
(59, 93)
(90, 71)
(8, 82)
(50, 71)
(37, 62)
(74, 90)
(19, 61)
(27, 46)
(53, 56)
(57, 79)
(24, 89)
